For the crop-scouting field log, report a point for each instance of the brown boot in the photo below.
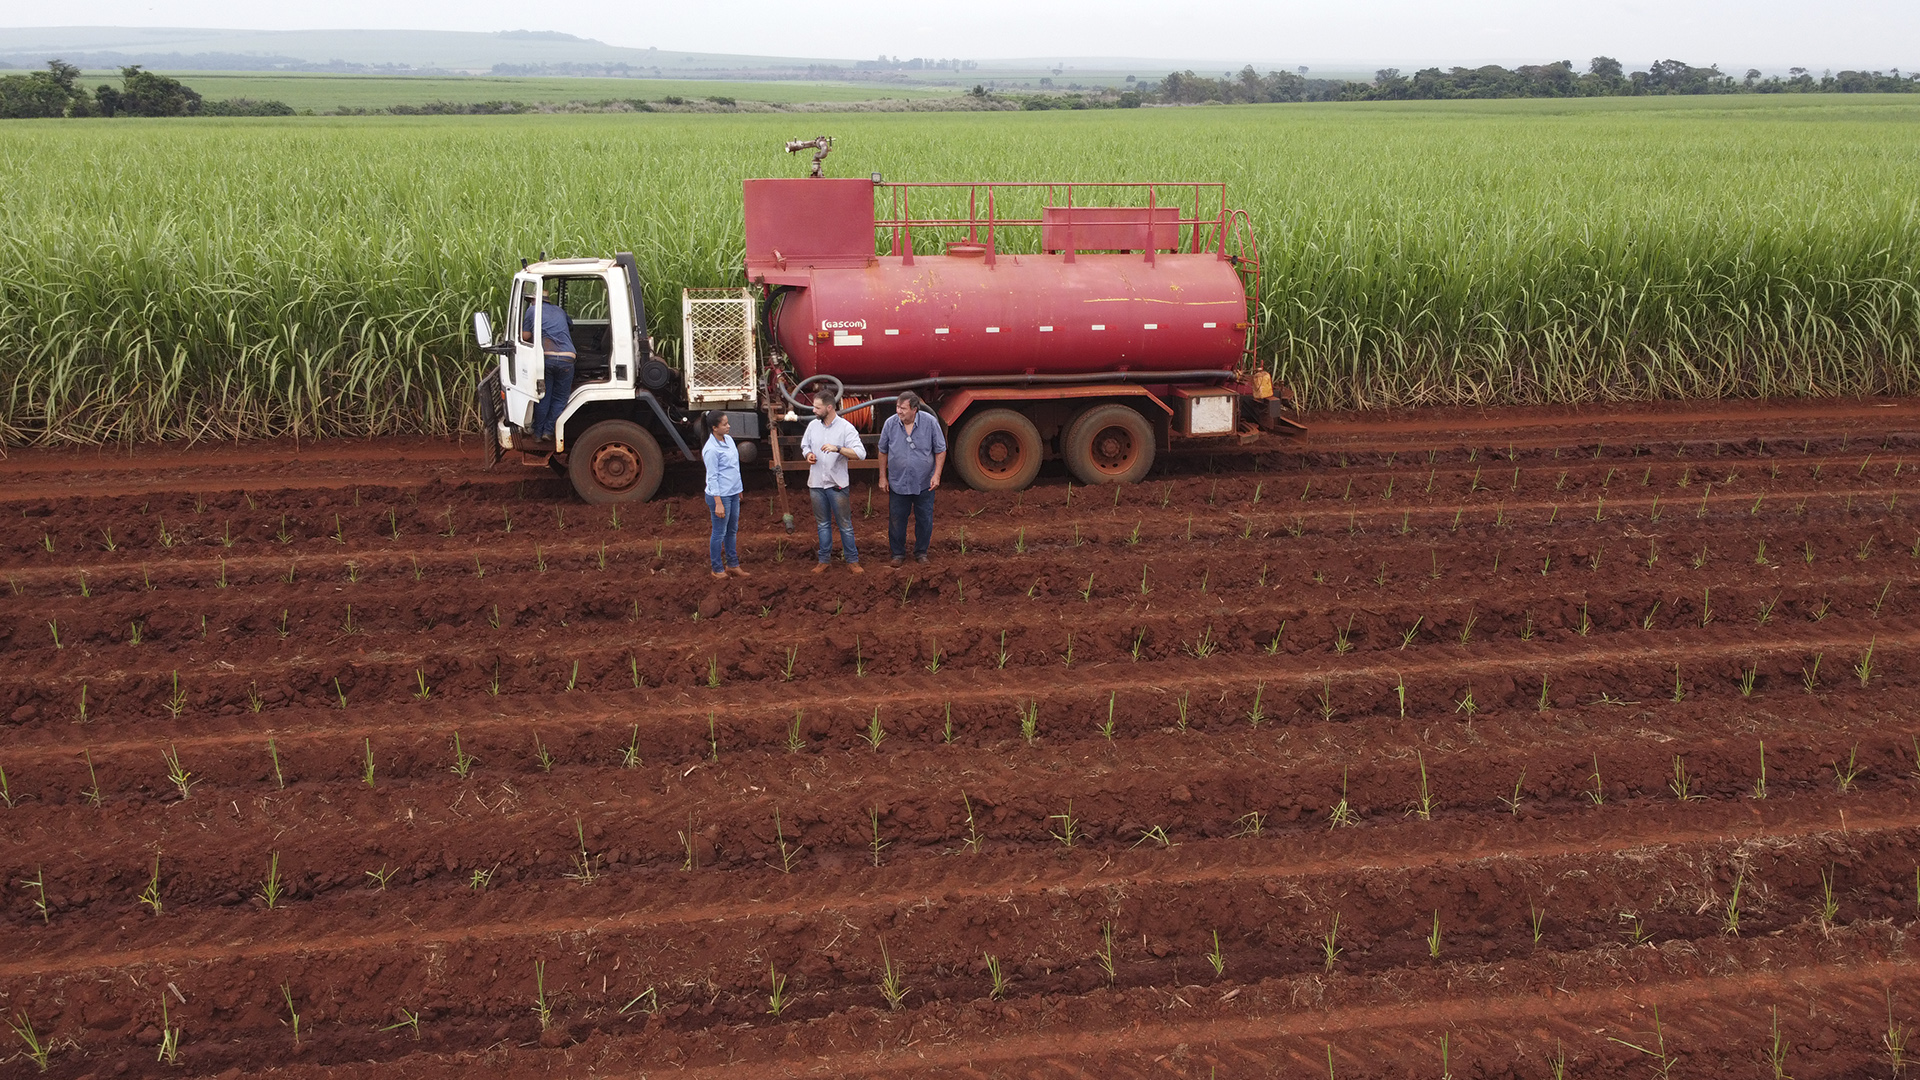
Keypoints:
(818, 568)
(719, 577)
(856, 568)
(736, 571)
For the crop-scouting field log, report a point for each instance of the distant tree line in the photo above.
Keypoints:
(1604, 77)
(57, 92)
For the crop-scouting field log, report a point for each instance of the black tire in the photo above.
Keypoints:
(616, 461)
(1109, 444)
(487, 396)
(998, 450)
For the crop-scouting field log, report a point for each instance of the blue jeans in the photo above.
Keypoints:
(720, 546)
(898, 507)
(833, 506)
(559, 387)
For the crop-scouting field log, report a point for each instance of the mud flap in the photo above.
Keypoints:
(491, 401)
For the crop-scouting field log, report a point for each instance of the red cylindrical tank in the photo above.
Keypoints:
(955, 315)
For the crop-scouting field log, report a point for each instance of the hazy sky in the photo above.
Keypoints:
(1731, 33)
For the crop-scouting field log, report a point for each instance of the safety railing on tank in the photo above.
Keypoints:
(1068, 226)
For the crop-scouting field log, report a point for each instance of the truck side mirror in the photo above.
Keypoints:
(482, 329)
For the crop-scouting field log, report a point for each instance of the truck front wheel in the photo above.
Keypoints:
(1109, 444)
(615, 461)
(998, 450)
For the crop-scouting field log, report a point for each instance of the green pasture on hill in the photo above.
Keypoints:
(242, 277)
(322, 91)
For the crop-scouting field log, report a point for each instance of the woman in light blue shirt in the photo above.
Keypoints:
(722, 459)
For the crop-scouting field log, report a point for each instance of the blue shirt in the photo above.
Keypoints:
(555, 326)
(910, 457)
(723, 466)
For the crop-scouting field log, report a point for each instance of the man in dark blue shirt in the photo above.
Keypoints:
(912, 450)
(556, 340)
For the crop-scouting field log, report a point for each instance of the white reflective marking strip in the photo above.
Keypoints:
(940, 330)
(993, 329)
(1046, 329)
(848, 339)
(1099, 326)
(1153, 326)
(1207, 326)
(896, 333)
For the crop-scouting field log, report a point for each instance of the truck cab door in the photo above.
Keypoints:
(526, 369)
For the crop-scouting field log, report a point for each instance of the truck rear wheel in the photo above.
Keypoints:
(1109, 444)
(616, 461)
(998, 450)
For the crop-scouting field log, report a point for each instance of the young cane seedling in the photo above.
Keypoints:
(1180, 705)
(1760, 784)
(180, 778)
(874, 734)
(1433, 938)
(788, 855)
(38, 883)
(380, 877)
(1827, 909)
(286, 994)
(1863, 668)
(998, 987)
(150, 895)
(1030, 722)
(972, 840)
(1000, 659)
(1512, 803)
(776, 1000)
(876, 845)
(540, 755)
(795, 743)
(713, 740)
(583, 871)
(1157, 834)
(1682, 785)
(1846, 775)
(1536, 921)
(1663, 1061)
(91, 794)
(169, 1035)
(1343, 638)
(1326, 697)
(1204, 646)
(1810, 676)
(464, 762)
(408, 1019)
(38, 1051)
(1778, 1049)
(542, 1008)
(1217, 958)
(1104, 954)
(1330, 944)
(893, 985)
(1894, 1040)
(1249, 824)
(273, 887)
(1730, 914)
(1254, 715)
(1423, 800)
(1069, 829)
(176, 702)
(1747, 676)
(1342, 814)
(1598, 796)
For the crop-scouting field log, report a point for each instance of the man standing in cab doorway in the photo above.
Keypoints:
(912, 451)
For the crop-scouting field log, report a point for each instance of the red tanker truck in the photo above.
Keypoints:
(1096, 323)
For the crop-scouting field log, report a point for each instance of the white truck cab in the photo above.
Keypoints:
(626, 402)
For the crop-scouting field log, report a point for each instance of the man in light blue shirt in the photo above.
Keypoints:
(912, 451)
(829, 441)
(555, 328)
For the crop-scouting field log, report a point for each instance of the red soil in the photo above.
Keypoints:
(1531, 656)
